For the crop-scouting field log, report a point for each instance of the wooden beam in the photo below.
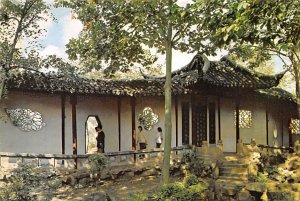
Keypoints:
(74, 127)
(133, 138)
(237, 120)
(63, 116)
(219, 117)
(119, 122)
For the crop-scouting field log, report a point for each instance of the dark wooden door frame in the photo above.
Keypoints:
(73, 101)
(63, 125)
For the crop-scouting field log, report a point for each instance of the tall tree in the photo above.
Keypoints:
(118, 33)
(19, 19)
(260, 30)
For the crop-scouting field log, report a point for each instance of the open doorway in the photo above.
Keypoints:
(90, 134)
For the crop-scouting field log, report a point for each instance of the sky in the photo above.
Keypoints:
(59, 32)
(65, 27)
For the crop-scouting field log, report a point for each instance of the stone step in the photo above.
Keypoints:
(225, 182)
(230, 178)
(204, 157)
(233, 170)
(234, 165)
(239, 175)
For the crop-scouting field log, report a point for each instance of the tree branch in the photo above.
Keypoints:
(271, 50)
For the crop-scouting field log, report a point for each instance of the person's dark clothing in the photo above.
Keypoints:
(101, 141)
(143, 146)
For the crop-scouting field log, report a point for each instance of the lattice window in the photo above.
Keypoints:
(185, 123)
(148, 118)
(212, 123)
(295, 126)
(26, 119)
(245, 118)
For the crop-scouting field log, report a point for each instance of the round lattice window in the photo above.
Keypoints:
(148, 118)
(26, 119)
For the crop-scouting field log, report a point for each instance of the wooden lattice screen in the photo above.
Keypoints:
(199, 124)
(212, 123)
(185, 123)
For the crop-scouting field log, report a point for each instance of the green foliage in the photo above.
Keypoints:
(258, 31)
(189, 180)
(20, 184)
(19, 19)
(119, 34)
(261, 177)
(196, 165)
(189, 189)
(177, 191)
(137, 197)
(97, 162)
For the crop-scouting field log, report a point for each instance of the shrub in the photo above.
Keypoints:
(190, 180)
(176, 191)
(137, 197)
(261, 177)
(196, 166)
(97, 162)
(19, 186)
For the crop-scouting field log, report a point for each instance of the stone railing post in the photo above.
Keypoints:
(220, 145)
(297, 147)
(240, 147)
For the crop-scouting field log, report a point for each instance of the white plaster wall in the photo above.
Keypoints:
(258, 128)
(286, 131)
(279, 121)
(46, 140)
(181, 100)
(107, 110)
(157, 105)
(68, 127)
(126, 124)
(228, 133)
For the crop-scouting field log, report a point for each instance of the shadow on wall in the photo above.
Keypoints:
(90, 134)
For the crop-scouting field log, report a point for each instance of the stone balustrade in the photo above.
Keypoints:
(12, 160)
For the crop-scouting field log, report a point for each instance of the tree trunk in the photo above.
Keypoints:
(297, 80)
(168, 102)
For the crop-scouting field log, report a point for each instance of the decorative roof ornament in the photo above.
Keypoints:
(206, 64)
(26, 119)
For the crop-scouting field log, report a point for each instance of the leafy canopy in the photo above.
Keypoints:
(119, 34)
(257, 29)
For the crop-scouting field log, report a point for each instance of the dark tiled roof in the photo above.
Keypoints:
(52, 83)
(222, 73)
(277, 94)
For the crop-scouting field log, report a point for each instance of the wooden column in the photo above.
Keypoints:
(63, 116)
(133, 104)
(267, 125)
(237, 120)
(176, 119)
(290, 134)
(74, 126)
(119, 122)
(219, 117)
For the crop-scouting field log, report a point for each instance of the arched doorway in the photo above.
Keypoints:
(90, 134)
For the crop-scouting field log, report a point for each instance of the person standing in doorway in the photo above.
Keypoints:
(159, 137)
(100, 139)
(141, 140)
